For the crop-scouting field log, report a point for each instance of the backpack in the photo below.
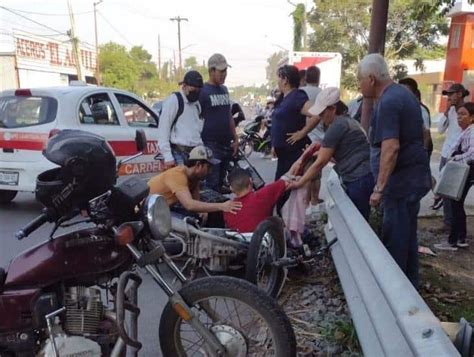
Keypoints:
(180, 109)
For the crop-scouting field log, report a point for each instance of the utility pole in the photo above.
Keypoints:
(174, 64)
(159, 57)
(75, 43)
(97, 61)
(378, 29)
(178, 19)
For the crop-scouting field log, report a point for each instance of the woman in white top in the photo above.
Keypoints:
(462, 150)
(449, 125)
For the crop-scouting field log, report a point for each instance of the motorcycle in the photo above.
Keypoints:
(254, 140)
(72, 294)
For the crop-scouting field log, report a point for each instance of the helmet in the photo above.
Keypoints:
(87, 168)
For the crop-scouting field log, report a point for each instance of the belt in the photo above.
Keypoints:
(181, 148)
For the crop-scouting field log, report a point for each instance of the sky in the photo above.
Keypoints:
(247, 32)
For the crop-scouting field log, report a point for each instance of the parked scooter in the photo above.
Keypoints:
(256, 137)
(71, 294)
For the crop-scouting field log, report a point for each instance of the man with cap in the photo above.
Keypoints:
(180, 124)
(219, 128)
(181, 184)
(346, 143)
(449, 124)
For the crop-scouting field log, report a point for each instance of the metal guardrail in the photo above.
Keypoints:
(390, 317)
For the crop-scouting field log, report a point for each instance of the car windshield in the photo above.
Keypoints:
(19, 111)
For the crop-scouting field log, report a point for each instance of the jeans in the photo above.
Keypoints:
(447, 209)
(458, 223)
(179, 157)
(399, 233)
(359, 192)
(222, 152)
(286, 158)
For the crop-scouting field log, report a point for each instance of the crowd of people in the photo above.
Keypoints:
(387, 166)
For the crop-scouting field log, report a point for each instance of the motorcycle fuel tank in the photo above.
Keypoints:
(80, 256)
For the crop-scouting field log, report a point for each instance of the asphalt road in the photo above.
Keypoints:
(151, 299)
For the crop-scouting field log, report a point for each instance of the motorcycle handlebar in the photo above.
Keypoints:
(32, 226)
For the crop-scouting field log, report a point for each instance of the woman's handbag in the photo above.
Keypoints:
(452, 180)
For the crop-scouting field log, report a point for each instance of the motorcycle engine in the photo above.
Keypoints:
(84, 311)
(83, 315)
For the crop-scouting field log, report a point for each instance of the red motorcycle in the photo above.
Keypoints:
(76, 294)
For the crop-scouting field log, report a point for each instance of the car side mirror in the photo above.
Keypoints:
(140, 140)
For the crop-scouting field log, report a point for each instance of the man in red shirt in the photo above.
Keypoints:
(256, 205)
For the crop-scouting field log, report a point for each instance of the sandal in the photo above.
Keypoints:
(437, 203)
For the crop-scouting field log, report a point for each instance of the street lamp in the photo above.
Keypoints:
(97, 62)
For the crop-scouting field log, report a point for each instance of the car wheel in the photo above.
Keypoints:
(6, 196)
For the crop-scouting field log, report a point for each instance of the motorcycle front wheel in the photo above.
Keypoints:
(267, 246)
(243, 318)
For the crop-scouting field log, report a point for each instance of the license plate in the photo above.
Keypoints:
(9, 178)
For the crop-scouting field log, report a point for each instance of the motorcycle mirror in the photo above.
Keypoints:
(140, 140)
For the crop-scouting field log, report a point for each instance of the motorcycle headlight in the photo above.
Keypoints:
(158, 216)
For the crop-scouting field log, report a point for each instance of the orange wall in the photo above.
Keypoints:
(461, 58)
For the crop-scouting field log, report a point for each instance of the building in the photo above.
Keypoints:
(34, 61)
(460, 52)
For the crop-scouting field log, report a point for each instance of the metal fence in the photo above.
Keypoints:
(390, 317)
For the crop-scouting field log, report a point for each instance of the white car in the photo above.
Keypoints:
(28, 117)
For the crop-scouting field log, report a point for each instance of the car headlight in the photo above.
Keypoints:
(158, 216)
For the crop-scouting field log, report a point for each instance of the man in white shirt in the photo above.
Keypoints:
(312, 89)
(449, 125)
(180, 124)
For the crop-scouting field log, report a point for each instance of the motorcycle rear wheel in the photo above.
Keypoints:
(243, 318)
(267, 245)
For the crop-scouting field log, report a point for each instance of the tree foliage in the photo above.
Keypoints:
(272, 67)
(299, 23)
(118, 69)
(343, 26)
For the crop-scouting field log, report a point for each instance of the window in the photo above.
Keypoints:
(137, 114)
(19, 111)
(455, 36)
(98, 109)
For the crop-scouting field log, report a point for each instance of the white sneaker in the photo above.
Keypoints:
(446, 246)
(312, 209)
(462, 244)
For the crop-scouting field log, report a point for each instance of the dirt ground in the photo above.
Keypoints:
(447, 280)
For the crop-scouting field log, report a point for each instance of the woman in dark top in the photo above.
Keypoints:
(289, 122)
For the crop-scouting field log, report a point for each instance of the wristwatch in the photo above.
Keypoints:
(377, 189)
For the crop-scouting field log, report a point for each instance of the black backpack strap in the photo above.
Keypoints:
(180, 108)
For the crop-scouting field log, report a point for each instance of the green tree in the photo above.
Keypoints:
(299, 26)
(147, 80)
(343, 26)
(191, 63)
(272, 67)
(117, 67)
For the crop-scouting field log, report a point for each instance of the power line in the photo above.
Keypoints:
(31, 20)
(50, 14)
(117, 31)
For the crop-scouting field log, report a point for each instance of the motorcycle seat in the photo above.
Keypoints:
(3, 276)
